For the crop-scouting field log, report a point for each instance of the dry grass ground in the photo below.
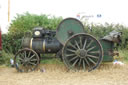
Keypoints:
(58, 75)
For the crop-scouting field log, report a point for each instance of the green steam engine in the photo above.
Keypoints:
(78, 49)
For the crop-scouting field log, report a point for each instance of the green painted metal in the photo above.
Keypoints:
(67, 28)
(108, 50)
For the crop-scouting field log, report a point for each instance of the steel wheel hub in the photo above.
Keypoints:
(26, 60)
(81, 53)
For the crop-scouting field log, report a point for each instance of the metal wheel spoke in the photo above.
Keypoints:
(94, 51)
(72, 45)
(29, 54)
(89, 44)
(92, 56)
(81, 42)
(70, 55)
(85, 42)
(77, 44)
(21, 59)
(75, 62)
(32, 63)
(32, 56)
(33, 60)
(79, 63)
(73, 58)
(87, 62)
(21, 55)
(89, 49)
(92, 61)
(83, 64)
(21, 63)
(25, 54)
(71, 50)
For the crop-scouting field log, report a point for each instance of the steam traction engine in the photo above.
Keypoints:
(79, 50)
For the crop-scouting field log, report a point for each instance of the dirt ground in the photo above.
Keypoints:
(58, 75)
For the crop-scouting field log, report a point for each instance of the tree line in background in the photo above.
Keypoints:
(26, 22)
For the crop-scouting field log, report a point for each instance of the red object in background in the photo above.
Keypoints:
(0, 40)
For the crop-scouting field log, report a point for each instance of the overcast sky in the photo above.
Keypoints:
(112, 11)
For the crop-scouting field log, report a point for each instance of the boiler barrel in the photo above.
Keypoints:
(45, 45)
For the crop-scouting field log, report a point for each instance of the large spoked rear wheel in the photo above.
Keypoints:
(82, 52)
(26, 60)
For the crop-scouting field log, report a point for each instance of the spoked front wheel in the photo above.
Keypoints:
(26, 60)
(82, 52)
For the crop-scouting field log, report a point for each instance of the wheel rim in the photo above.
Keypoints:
(26, 60)
(82, 52)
